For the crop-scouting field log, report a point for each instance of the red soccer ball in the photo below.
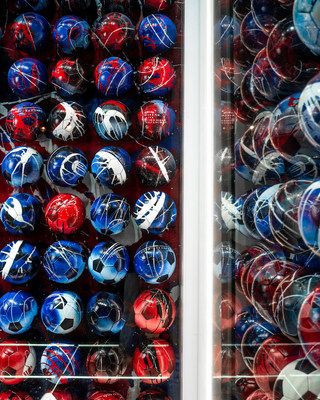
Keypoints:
(154, 311)
(153, 395)
(59, 395)
(158, 5)
(272, 356)
(154, 361)
(11, 395)
(245, 384)
(259, 395)
(65, 213)
(17, 359)
(102, 395)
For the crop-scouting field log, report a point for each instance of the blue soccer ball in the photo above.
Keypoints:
(105, 313)
(19, 262)
(111, 166)
(306, 18)
(109, 262)
(64, 261)
(155, 212)
(20, 213)
(113, 77)
(62, 312)
(67, 166)
(30, 32)
(60, 362)
(22, 166)
(17, 312)
(246, 318)
(110, 214)
(154, 261)
(72, 34)
(157, 33)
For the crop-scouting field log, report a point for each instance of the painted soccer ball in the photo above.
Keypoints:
(62, 312)
(113, 31)
(67, 121)
(69, 78)
(154, 261)
(155, 212)
(157, 33)
(111, 120)
(17, 359)
(111, 166)
(109, 262)
(297, 380)
(155, 166)
(14, 395)
(259, 395)
(244, 320)
(65, 213)
(25, 121)
(30, 32)
(158, 5)
(60, 362)
(245, 385)
(106, 363)
(28, 77)
(156, 120)
(59, 395)
(251, 35)
(17, 312)
(267, 13)
(66, 166)
(306, 20)
(105, 313)
(19, 262)
(248, 211)
(154, 361)
(71, 34)
(113, 77)
(22, 166)
(156, 77)
(153, 394)
(110, 214)
(154, 311)
(20, 213)
(64, 261)
(103, 395)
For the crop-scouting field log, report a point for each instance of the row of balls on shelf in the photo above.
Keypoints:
(68, 166)
(62, 312)
(65, 261)
(72, 35)
(65, 213)
(67, 121)
(153, 361)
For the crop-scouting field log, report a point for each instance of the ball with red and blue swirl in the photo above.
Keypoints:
(71, 34)
(68, 77)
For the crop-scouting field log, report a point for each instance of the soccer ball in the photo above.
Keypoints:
(59, 395)
(62, 312)
(298, 380)
(307, 23)
(17, 359)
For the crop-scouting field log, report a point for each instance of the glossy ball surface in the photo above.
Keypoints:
(111, 166)
(157, 33)
(306, 19)
(105, 313)
(19, 262)
(65, 213)
(67, 121)
(155, 166)
(106, 363)
(113, 77)
(154, 261)
(28, 77)
(66, 166)
(61, 312)
(20, 213)
(109, 262)
(154, 311)
(71, 34)
(251, 35)
(30, 32)
(59, 395)
(17, 359)
(156, 77)
(110, 214)
(158, 5)
(246, 318)
(111, 120)
(103, 395)
(22, 166)
(60, 362)
(156, 120)
(64, 261)
(155, 212)
(17, 312)
(69, 78)
(113, 31)
(25, 121)
(267, 13)
(154, 361)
